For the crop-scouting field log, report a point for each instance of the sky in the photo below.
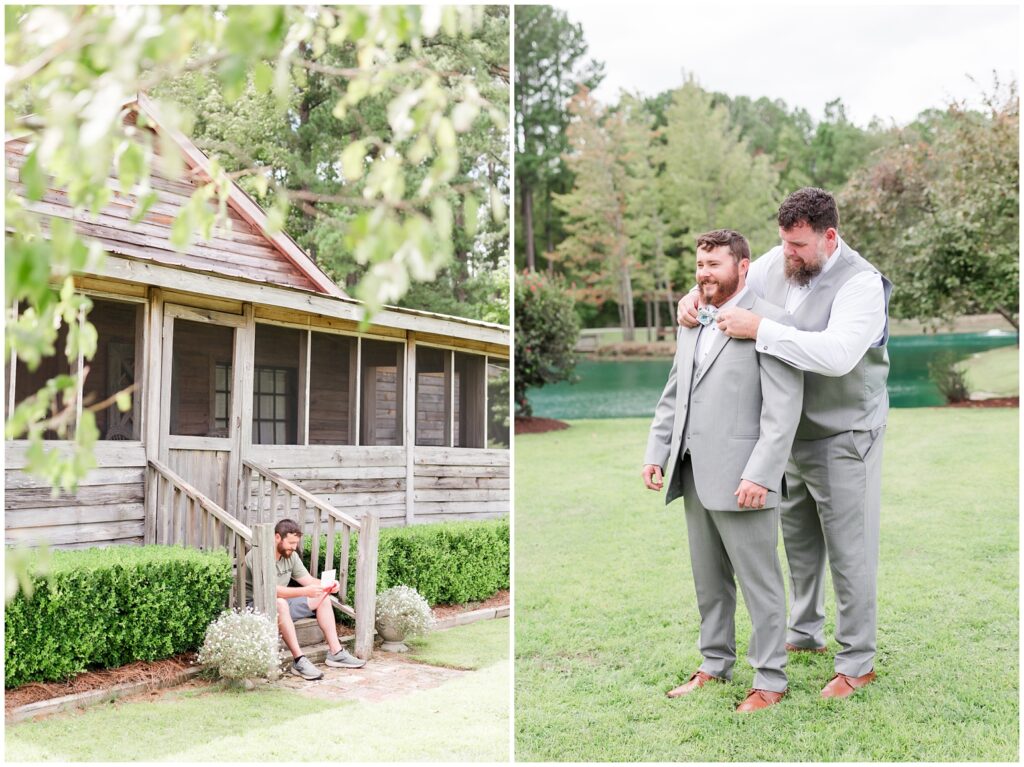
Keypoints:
(885, 61)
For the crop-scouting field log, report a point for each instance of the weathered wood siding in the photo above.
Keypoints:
(453, 484)
(106, 510)
(205, 470)
(241, 252)
(352, 479)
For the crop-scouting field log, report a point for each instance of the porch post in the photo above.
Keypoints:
(264, 582)
(366, 584)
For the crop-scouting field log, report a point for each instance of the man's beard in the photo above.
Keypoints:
(723, 290)
(802, 274)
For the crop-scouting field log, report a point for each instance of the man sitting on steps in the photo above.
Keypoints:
(307, 600)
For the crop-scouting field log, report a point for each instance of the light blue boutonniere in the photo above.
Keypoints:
(706, 314)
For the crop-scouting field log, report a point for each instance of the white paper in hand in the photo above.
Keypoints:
(328, 578)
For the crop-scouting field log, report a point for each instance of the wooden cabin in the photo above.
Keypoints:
(258, 392)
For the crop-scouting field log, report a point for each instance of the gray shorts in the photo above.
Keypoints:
(298, 608)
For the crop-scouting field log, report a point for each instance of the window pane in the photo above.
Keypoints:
(382, 387)
(221, 409)
(198, 349)
(112, 368)
(432, 412)
(470, 400)
(221, 378)
(277, 360)
(497, 404)
(331, 390)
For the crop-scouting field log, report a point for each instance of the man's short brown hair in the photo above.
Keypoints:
(287, 527)
(738, 246)
(812, 206)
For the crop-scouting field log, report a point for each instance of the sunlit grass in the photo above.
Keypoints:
(606, 619)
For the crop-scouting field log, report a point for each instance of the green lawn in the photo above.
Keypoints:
(465, 719)
(606, 619)
(995, 372)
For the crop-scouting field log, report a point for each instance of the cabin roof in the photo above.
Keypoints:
(249, 252)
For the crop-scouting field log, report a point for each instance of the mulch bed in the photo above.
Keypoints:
(156, 671)
(992, 402)
(531, 425)
(101, 679)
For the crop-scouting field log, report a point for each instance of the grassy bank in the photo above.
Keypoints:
(465, 719)
(995, 372)
(606, 619)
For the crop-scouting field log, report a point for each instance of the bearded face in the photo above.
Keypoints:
(718, 274)
(805, 253)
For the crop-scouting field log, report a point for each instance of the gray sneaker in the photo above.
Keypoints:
(344, 659)
(304, 667)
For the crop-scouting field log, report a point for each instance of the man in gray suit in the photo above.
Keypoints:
(837, 308)
(723, 429)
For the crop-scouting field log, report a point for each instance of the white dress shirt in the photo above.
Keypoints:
(708, 333)
(856, 323)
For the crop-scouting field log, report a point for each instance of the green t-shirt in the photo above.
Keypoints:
(286, 570)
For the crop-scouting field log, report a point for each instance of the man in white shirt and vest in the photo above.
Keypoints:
(837, 307)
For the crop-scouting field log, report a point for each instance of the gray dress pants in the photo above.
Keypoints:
(833, 512)
(745, 543)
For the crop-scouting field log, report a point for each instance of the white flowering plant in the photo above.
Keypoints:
(402, 608)
(241, 644)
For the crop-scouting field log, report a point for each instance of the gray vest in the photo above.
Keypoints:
(857, 401)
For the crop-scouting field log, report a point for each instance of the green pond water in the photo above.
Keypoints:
(632, 388)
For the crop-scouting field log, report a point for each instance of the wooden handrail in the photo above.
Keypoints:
(304, 494)
(209, 505)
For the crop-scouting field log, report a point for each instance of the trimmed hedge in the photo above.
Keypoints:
(447, 562)
(108, 607)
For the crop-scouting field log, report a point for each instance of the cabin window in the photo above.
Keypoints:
(221, 396)
(113, 368)
(451, 398)
(497, 403)
(332, 389)
(279, 359)
(470, 400)
(201, 370)
(273, 407)
(433, 424)
(382, 370)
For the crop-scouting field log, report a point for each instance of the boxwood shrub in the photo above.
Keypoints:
(447, 562)
(107, 607)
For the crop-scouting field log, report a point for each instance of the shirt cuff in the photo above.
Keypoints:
(768, 335)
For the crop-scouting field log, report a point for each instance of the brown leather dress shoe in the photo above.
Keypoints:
(842, 686)
(758, 699)
(795, 648)
(697, 680)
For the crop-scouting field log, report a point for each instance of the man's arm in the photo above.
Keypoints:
(659, 440)
(782, 396)
(856, 322)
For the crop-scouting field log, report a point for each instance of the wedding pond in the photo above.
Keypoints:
(631, 388)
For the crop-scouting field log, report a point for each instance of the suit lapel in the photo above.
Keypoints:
(685, 349)
(745, 302)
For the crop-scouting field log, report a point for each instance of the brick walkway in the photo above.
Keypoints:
(386, 676)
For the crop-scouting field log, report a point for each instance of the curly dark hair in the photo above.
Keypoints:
(812, 206)
(287, 527)
(738, 246)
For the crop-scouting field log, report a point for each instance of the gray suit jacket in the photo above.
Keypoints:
(737, 415)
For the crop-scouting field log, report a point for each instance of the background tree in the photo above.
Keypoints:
(550, 67)
(709, 177)
(942, 217)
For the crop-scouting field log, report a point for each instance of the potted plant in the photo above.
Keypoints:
(401, 613)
